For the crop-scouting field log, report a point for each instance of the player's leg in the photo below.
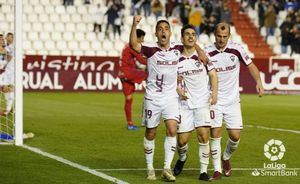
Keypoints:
(185, 127)
(215, 140)
(170, 147)
(151, 118)
(202, 123)
(9, 97)
(234, 125)
(149, 147)
(182, 149)
(128, 89)
(170, 114)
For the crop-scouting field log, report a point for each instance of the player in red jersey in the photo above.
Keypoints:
(130, 74)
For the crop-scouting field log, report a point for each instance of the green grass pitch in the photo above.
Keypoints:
(89, 129)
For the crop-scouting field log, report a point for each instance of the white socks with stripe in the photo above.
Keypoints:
(149, 152)
(203, 156)
(182, 152)
(231, 146)
(170, 147)
(215, 148)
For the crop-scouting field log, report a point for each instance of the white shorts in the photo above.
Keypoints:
(193, 118)
(231, 114)
(153, 110)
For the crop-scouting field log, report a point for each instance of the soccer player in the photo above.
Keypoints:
(226, 57)
(161, 98)
(129, 75)
(8, 75)
(194, 87)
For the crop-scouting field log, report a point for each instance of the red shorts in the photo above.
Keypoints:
(131, 76)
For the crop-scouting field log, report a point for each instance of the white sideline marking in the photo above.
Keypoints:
(189, 169)
(75, 165)
(276, 129)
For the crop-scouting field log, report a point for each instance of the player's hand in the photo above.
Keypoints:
(213, 99)
(136, 19)
(260, 90)
(202, 56)
(182, 94)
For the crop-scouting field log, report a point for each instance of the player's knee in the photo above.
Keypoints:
(150, 133)
(216, 132)
(128, 97)
(234, 137)
(203, 138)
(182, 141)
(171, 131)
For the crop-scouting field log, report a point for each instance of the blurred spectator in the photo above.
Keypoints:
(285, 28)
(208, 7)
(119, 19)
(3, 53)
(68, 2)
(270, 21)
(225, 14)
(195, 17)
(157, 8)
(170, 5)
(295, 40)
(291, 4)
(86, 2)
(210, 24)
(261, 13)
(98, 19)
(136, 7)
(184, 11)
(112, 15)
(146, 7)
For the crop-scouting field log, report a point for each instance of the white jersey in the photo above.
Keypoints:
(196, 80)
(162, 68)
(227, 64)
(10, 49)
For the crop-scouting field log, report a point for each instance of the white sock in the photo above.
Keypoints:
(204, 157)
(9, 97)
(149, 152)
(182, 152)
(215, 149)
(170, 147)
(231, 146)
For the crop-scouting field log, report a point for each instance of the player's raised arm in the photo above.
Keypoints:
(133, 37)
(201, 54)
(255, 75)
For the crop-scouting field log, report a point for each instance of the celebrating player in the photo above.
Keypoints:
(129, 75)
(161, 98)
(226, 57)
(194, 111)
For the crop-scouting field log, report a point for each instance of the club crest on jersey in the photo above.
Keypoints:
(232, 58)
(198, 64)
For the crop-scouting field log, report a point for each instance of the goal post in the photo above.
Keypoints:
(18, 73)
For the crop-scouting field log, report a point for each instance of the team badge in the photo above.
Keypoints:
(232, 57)
(198, 64)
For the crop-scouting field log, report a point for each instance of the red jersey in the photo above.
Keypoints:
(128, 58)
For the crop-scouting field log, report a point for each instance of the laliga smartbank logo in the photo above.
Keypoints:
(274, 150)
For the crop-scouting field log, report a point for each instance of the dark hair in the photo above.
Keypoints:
(185, 27)
(9, 33)
(140, 33)
(162, 21)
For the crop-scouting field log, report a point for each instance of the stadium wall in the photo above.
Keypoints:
(71, 73)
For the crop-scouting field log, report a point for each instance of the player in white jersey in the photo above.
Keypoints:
(200, 84)
(161, 98)
(226, 57)
(8, 75)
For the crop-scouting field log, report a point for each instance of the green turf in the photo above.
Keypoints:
(89, 129)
